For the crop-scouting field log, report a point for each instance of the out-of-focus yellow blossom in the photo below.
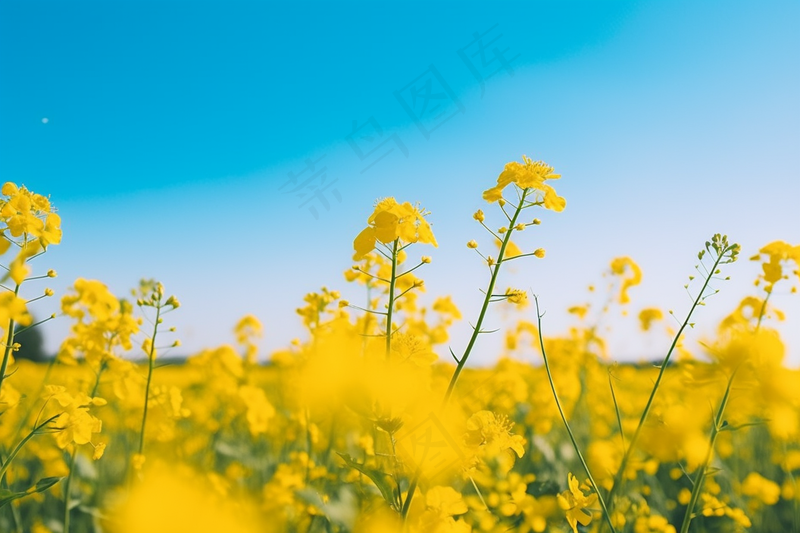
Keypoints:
(619, 266)
(648, 316)
(12, 307)
(777, 252)
(528, 175)
(172, 500)
(247, 330)
(757, 486)
(391, 221)
(512, 250)
(712, 506)
(74, 424)
(259, 409)
(442, 504)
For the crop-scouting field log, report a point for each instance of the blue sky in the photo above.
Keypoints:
(173, 129)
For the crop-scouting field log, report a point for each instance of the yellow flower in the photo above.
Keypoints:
(74, 424)
(472, 244)
(648, 316)
(528, 175)
(492, 432)
(99, 450)
(516, 296)
(574, 503)
(618, 267)
(12, 307)
(391, 221)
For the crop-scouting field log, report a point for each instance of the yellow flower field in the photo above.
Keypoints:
(374, 423)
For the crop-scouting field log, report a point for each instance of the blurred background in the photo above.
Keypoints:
(234, 150)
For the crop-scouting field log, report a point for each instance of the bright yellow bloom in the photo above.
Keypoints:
(528, 175)
(391, 221)
(516, 296)
(574, 503)
(492, 433)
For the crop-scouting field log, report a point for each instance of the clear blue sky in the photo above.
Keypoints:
(172, 128)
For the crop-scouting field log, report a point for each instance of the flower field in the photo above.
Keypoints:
(374, 422)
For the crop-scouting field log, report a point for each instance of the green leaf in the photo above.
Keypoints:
(6, 496)
(44, 484)
(381, 479)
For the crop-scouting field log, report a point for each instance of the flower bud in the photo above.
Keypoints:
(478, 216)
(472, 244)
(539, 252)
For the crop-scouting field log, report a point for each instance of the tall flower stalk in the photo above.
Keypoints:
(721, 252)
(529, 179)
(152, 295)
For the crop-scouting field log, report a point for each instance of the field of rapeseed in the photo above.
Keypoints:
(373, 424)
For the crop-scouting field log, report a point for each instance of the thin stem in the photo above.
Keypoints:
(391, 299)
(9, 345)
(476, 331)
(151, 361)
(22, 443)
(632, 444)
(701, 476)
(67, 487)
(600, 498)
(616, 409)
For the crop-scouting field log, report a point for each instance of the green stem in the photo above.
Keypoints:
(22, 443)
(701, 476)
(476, 331)
(151, 363)
(9, 345)
(606, 514)
(389, 312)
(634, 440)
(67, 487)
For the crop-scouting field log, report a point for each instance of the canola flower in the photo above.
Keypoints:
(373, 423)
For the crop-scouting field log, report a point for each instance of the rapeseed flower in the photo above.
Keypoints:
(391, 221)
(528, 175)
